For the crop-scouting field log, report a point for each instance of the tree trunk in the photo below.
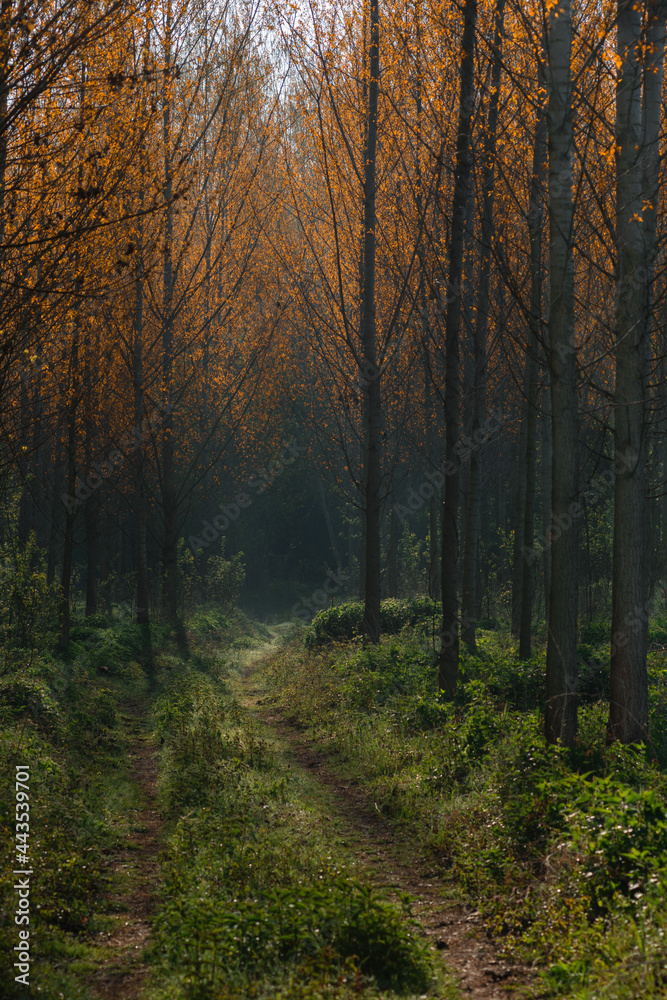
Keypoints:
(139, 485)
(371, 374)
(105, 584)
(637, 167)
(90, 509)
(535, 227)
(68, 542)
(392, 555)
(547, 459)
(169, 499)
(561, 706)
(469, 603)
(519, 513)
(449, 637)
(92, 550)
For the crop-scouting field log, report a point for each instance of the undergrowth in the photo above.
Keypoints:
(63, 718)
(563, 852)
(66, 718)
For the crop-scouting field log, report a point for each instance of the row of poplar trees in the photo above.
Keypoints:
(383, 223)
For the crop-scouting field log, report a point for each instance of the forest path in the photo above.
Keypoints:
(390, 861)
(122, 970)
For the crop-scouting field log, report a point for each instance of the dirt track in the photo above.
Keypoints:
(398, 866)
(122, 972)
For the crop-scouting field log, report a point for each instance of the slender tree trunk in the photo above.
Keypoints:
(5, 62)
(561, 707)
(139, 484)
(90, 509)
(70, 451)
(535, 226)
(469, 602)
(449, 637)
(92, 553)
(637, 168)
(330, 530)
(392, 555)
(56, 505)
(434, 501)
(169, 499)
(371, 373)
(547, 460)
(527, 581)
(519, 513)
(23, 464)
(663, 508)
(104, 587)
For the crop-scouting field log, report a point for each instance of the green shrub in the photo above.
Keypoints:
(224, 580)
(345, 622)
(620, 834)
(27, 602)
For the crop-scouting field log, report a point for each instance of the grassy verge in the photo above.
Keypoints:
(564, 853)
(67, 718)
(64, 719)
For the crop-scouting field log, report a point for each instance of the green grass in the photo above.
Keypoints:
(256, 896)
(563, 852)
(260, 899)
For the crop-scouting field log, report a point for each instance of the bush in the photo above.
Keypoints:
(621, 836)
(27, 603)
(345, 622)
(224, 580)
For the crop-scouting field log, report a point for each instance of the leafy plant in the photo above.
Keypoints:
(345, 622)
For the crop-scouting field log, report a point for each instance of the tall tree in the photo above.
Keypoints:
(535, 226)
(561, 706)
(449, 637)
(469, 601)
(637, 169)
(371, 390)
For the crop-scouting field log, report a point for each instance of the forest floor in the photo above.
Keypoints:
(389, 860)
(134, 872)
(266, 818)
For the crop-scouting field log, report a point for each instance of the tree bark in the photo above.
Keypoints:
(68, 542)
(169, 499)
(469, 602)
(546, 462)
(371, 374)
(519, 514)
(561, 706)
(139, 484)
(637, 167)
(449, 636)
(535, 227)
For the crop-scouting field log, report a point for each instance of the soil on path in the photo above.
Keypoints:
(453, 929)
(122, 971)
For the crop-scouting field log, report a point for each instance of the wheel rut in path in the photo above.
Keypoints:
(456, 931)
(122, 971)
